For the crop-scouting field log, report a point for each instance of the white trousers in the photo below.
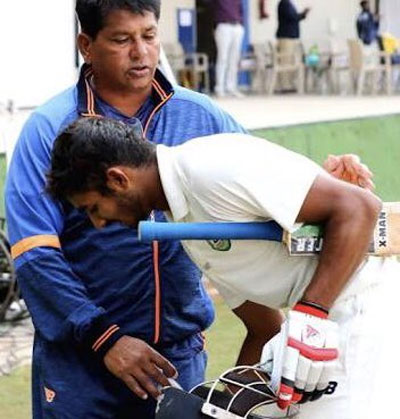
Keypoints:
(228, 38)
(368, 369)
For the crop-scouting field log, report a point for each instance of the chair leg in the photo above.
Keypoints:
(388, 81)
(264, 77)
(256, 82)
(352, 82)
(272, 83)
(206, 81)
(195, 80)
(375, 81)
(360, 80)
(329, 82)
(300, 81)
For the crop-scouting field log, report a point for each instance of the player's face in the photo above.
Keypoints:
(125, 53)
(126, 208)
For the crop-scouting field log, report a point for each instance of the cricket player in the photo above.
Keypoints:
(326, 345)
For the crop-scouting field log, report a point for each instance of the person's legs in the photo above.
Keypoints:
(189, 358)
(223, 40)
(192, 371)
(69, 384)
(234, 59)
(286, 47)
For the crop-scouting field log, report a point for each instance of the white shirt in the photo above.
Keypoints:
(237, 177)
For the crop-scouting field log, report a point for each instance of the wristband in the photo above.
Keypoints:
(314, 309)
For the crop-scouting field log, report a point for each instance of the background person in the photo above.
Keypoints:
(198, 182)
(112, 316)
(229, 33)
(288, 34)
(367, 24)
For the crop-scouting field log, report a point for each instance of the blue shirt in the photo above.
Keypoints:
(367, 27)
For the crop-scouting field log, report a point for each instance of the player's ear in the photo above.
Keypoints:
(117, 179)
(84, 45)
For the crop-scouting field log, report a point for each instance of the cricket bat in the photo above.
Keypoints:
(307, 240)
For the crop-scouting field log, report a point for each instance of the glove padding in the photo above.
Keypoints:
(302, 356)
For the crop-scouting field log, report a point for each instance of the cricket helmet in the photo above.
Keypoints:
(242, 392)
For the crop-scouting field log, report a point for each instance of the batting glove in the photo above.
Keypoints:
(301, 357)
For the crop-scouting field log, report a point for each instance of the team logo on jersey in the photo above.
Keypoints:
(220, 245)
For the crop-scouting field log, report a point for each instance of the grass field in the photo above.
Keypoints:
(15, 395)
(376, 140)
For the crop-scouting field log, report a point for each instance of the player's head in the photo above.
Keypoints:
(253, 397)
(364, 5)
(119, 39)
(97, 164)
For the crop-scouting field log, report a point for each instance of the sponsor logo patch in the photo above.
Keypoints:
(220, 245)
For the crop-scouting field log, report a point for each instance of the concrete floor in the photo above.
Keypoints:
(256, 112)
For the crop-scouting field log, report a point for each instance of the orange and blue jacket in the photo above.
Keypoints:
(85, 286)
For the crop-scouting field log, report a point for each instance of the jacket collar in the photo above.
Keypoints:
(162, 90)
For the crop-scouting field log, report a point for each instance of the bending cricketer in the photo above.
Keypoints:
(106, 169)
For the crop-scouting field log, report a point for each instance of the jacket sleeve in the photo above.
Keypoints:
(57, 299)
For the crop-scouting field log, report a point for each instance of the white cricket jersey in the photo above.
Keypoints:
(237, 177)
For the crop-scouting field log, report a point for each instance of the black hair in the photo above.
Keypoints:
(93, 13)
(84, 151)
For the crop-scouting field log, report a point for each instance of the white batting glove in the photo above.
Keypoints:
(302, 356)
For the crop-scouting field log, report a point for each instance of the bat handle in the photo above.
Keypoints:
(149, 231)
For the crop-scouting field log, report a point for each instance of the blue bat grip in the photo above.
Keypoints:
(149, 231)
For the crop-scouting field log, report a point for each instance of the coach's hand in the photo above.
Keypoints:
(348, 167)
(139, 366)
(303, 354)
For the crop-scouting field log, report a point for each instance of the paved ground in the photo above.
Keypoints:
(274, 111)
(15, 344)
(253, 112)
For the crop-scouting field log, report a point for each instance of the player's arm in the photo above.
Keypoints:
(349, 215)
(262, 323)
(310, 339)
(57, 299)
